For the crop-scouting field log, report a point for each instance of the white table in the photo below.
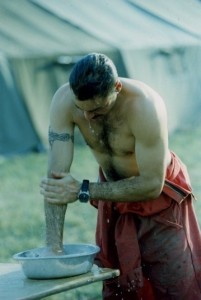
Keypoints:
(15, 286)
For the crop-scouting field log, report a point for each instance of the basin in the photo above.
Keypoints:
(76, 259)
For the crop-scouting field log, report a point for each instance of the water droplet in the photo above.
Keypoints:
(108, 221)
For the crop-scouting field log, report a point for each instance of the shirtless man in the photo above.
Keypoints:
(124, 123)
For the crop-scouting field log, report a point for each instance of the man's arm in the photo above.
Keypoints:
(59, 161)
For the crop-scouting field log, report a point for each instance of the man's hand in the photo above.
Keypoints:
(62, 188)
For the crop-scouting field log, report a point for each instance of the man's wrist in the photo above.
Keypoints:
(84, 195)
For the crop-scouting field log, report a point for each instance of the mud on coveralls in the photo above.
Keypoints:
(156, 244)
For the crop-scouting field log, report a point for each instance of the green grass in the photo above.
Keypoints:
(21, 205)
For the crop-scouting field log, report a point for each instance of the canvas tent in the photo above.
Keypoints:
(40, 41)
(16, 130)
(159, 42)
(31, 41)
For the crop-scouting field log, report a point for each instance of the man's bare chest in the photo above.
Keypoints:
(113, 138)
(113, 146)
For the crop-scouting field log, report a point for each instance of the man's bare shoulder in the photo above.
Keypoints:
(141, 96)
(61, 109)
(145, 107)
(63, 96)
(138, 89)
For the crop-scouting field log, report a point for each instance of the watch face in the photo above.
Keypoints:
(83, 197)
(84, 191)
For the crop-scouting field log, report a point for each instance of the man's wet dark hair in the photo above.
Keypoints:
(93, 76)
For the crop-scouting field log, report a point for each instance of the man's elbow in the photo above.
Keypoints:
(155, 190)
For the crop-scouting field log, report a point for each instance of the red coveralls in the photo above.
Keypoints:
(156, 244)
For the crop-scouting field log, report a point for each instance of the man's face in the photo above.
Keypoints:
(96, 108)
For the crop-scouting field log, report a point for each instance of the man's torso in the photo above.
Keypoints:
(110, 138)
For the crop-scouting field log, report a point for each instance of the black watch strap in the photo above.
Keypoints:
(85, 185)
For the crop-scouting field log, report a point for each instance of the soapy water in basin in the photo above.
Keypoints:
(68, 250)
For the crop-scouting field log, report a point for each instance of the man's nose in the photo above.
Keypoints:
(89, 115)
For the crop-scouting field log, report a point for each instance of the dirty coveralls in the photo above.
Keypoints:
(156, 244)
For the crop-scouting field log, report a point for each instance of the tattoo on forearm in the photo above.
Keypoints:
(63, 137)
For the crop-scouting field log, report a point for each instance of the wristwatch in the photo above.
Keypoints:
(84, 195)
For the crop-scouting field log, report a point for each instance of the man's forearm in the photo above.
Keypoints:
(126, 190)
(54, 217)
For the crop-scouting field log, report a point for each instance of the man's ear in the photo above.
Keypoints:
(118, 86)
